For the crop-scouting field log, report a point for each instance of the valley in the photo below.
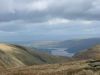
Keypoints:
(51, 60)
(49, 37)
(56, 51)
(66, 47)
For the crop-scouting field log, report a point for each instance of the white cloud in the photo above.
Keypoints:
(86, 22)
(38, 5)
(58, 21)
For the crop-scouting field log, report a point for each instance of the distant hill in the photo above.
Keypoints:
(74, 46)
(45, 44)
(91, 53)
(71, 46)
(16, 56)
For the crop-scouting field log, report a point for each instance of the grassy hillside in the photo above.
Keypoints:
(91, 53)
(17, 56)
(69, 68)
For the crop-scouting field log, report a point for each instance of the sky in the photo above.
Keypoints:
(29, 20)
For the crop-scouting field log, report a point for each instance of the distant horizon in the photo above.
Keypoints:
(32, 41)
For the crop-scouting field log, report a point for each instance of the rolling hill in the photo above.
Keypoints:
(16, 56)
(74, 46)
(91, 53)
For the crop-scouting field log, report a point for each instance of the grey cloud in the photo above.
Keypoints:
(12, 26)
(69, 9)
(28, 19)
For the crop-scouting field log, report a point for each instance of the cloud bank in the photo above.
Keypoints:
(49, 19)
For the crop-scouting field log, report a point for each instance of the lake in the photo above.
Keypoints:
(61, 52)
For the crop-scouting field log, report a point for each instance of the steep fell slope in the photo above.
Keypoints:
(17, 56)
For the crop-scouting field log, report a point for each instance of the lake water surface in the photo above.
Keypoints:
(61, 52)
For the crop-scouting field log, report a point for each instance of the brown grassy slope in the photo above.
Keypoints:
(17, 56)
(70, 68)
(80, 67)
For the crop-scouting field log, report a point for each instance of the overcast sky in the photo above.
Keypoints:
(28, 20)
